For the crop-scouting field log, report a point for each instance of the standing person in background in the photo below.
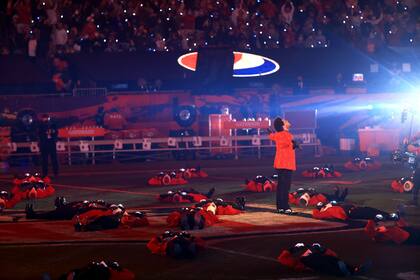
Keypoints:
(100, 116)
(48, 135)
(284, 163)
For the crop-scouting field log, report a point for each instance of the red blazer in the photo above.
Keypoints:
(285, 154)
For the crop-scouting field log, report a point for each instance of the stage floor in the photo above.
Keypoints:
(243, 246)
(260, 220)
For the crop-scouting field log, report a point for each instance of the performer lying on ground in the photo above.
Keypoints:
(66, 210)
(32, 187)
(110, 218)
(310, 197)
(345, 211)
(220, 207)
(262, 184)
(185, 195)
(8, 201)
(104, 270)
(203, 214)
(192, 218)
(396, 231)
(404, 184)
(167, 179)
(188, 173)
(362, 163)
(175, 244)
(178, 177)
(321, 172)
(319, 259)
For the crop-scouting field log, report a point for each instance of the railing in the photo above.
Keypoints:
(90, 91)
(216, 145)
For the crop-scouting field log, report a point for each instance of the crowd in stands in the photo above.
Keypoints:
(49, 27)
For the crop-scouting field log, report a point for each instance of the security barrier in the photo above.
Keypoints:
(92, 148)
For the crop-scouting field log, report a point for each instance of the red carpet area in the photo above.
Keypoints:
(32, 232)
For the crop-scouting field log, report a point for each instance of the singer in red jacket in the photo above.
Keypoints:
(284, 163)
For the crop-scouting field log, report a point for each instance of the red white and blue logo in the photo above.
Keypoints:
(244, 65)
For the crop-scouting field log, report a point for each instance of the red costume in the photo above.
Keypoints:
(191, 218)
(193, 173)
(395, 233)
(220, 207)
(344, 212)
(167, 179)
(403, 185)
(109, 218)
(309, 197)
(330, 212)
(184, 196)
(32, 187)
(7, 202)
(324, 172)
(318, 259)
(175, 244)
(292, 259)
(179, 177)
(358, 164)
(262, 184)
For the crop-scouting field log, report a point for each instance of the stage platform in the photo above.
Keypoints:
(259, 219)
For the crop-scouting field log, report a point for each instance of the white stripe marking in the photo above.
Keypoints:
(411, 275)
(242, 254)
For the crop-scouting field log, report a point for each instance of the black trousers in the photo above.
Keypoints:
(283, 188)
(48, 150)
(366, 213)
(326, 264)
(62, 213)
(414, 237)
(104, 222)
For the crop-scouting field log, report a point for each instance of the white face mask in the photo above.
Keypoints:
(326, 207)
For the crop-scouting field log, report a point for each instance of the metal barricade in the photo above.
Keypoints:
(90, 91)
(152, 147)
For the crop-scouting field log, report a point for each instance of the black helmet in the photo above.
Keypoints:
(139, 214)
(317, 248)
(60, 201)
(394, 216)
(297, 247)
(379, 218)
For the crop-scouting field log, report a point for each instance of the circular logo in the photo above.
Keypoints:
(244, 65)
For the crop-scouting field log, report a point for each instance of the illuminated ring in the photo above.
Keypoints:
(362, 164)
(408, 186)
(166, 180)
